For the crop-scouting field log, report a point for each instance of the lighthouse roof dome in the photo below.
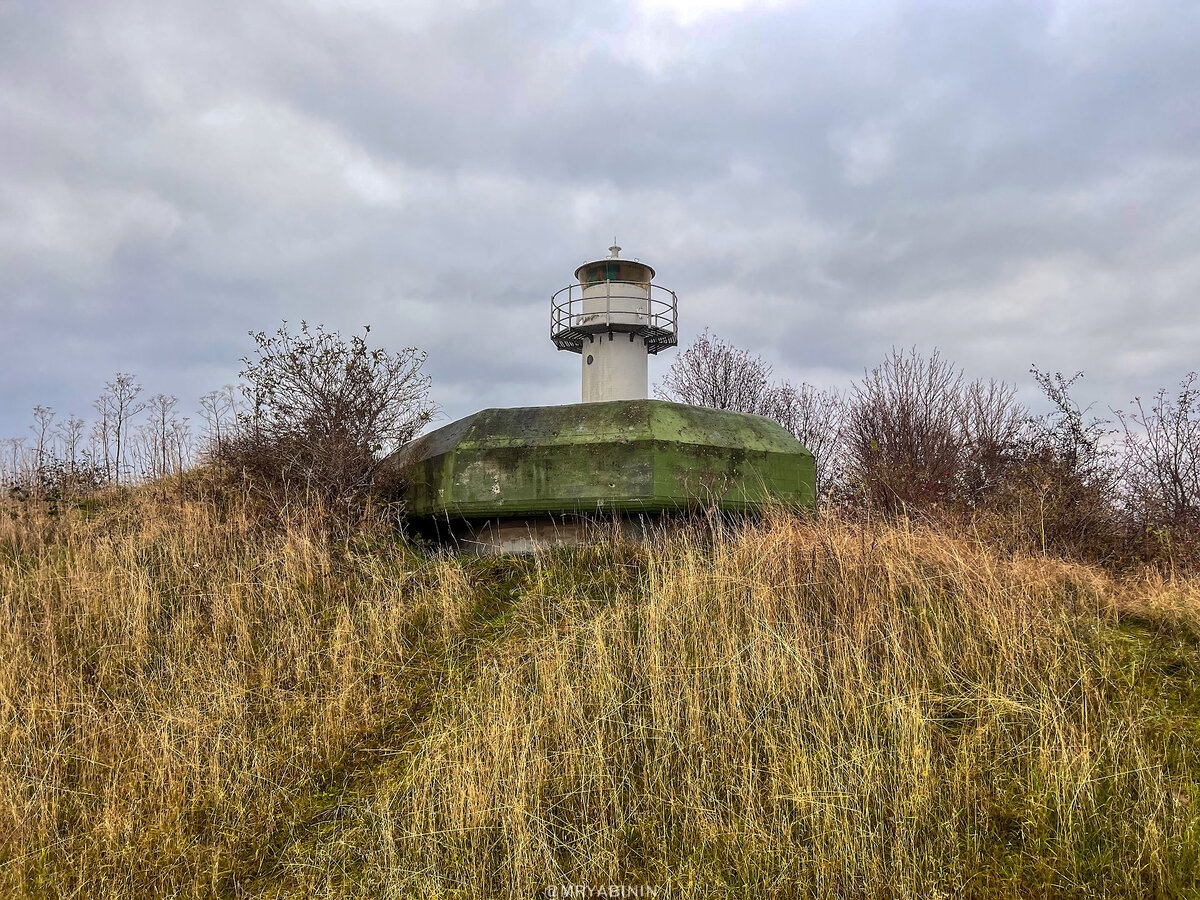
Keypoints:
(610, 260)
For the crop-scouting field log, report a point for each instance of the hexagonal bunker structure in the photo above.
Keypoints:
(507, 478)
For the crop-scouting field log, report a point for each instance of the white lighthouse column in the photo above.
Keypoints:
(615, 367)
(613, 320)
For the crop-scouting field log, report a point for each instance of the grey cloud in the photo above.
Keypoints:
(1011, 181)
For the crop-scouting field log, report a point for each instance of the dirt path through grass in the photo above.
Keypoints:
(291, 864)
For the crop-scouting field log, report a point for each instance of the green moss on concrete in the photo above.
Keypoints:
(626, 456)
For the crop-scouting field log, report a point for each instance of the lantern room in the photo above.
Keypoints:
(614, 316)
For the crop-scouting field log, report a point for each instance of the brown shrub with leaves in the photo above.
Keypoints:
(323, 414)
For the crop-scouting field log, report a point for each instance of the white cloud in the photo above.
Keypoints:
(75, 231)
(868, 153)
(689, 12)
(269, 153)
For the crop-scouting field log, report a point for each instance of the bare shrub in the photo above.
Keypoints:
(56, 480)
(718, 375)
(904, 433)
(119, 404)
(70, 432)
(323, 413)
(1070, 433)
(994, 427)
(1051, 479)
(1067, 483)
(1162, 458)
(43, 417)
(922, 438)
(219, 410)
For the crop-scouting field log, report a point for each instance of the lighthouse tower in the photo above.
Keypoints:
(614, 316)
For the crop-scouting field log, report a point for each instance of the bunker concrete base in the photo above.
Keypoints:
(485, 537)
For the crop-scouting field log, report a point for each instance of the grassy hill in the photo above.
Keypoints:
(195, 704)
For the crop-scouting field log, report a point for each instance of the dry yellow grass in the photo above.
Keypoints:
(174, 685)
(192, 706)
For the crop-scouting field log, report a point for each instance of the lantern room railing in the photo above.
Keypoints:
(651, 311)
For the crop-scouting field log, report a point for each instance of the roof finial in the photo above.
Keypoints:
(614, 251)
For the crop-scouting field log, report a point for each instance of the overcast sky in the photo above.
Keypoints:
(1013, 182)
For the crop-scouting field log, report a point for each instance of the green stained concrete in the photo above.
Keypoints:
(627, 456)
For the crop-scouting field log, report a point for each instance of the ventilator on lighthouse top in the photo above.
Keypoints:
(614, 316)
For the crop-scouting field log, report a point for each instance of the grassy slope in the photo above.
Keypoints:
(190, 706)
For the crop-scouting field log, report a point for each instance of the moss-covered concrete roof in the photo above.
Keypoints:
(629, 455)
